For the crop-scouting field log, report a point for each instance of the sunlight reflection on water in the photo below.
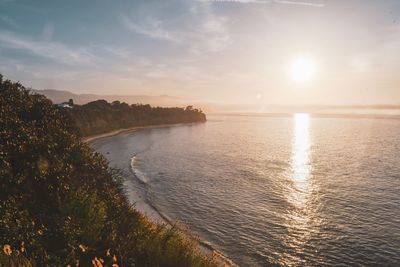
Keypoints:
(298, 217)
(274, 191)
(301, 154)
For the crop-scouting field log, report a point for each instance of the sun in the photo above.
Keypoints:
(302, 70)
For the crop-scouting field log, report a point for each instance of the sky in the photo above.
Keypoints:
(222, 51)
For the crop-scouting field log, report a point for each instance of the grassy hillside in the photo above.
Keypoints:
(61, 204)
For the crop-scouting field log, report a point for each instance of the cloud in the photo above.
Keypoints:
(311, 4)
(283, 2)
(120, 52)
(206, 32)
(212, 35)
(52, 50)
(152, 29)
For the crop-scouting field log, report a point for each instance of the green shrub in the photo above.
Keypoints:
(61, 204)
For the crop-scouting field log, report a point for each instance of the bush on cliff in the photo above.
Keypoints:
(60, 203)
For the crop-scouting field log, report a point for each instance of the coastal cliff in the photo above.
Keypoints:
(100, 116)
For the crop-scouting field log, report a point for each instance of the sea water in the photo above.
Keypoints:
(292, 190)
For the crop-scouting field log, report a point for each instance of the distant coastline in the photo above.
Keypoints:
(100, 117)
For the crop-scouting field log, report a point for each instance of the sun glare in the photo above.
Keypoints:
(302, 70)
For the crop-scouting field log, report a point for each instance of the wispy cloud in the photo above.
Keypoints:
(212, 35)
(204, 31)
(52, 50)
(283, 2)
(152, 29)
(311, 4)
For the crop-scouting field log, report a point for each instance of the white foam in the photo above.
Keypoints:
(137, 173)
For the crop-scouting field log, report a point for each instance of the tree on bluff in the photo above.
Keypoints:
(100, 116)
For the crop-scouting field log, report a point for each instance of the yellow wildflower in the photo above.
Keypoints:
(82, 247)
(96, 262)
(7, 250)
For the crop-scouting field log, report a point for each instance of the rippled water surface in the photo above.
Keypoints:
(295, 190)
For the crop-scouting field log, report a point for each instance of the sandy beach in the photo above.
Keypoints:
(92, 138)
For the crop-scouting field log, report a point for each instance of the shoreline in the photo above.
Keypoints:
(137, 198)
(91, 138)
(134, 195)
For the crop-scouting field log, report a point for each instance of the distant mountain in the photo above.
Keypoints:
(165, 101)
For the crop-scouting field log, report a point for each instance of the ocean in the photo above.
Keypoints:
(287, 190)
